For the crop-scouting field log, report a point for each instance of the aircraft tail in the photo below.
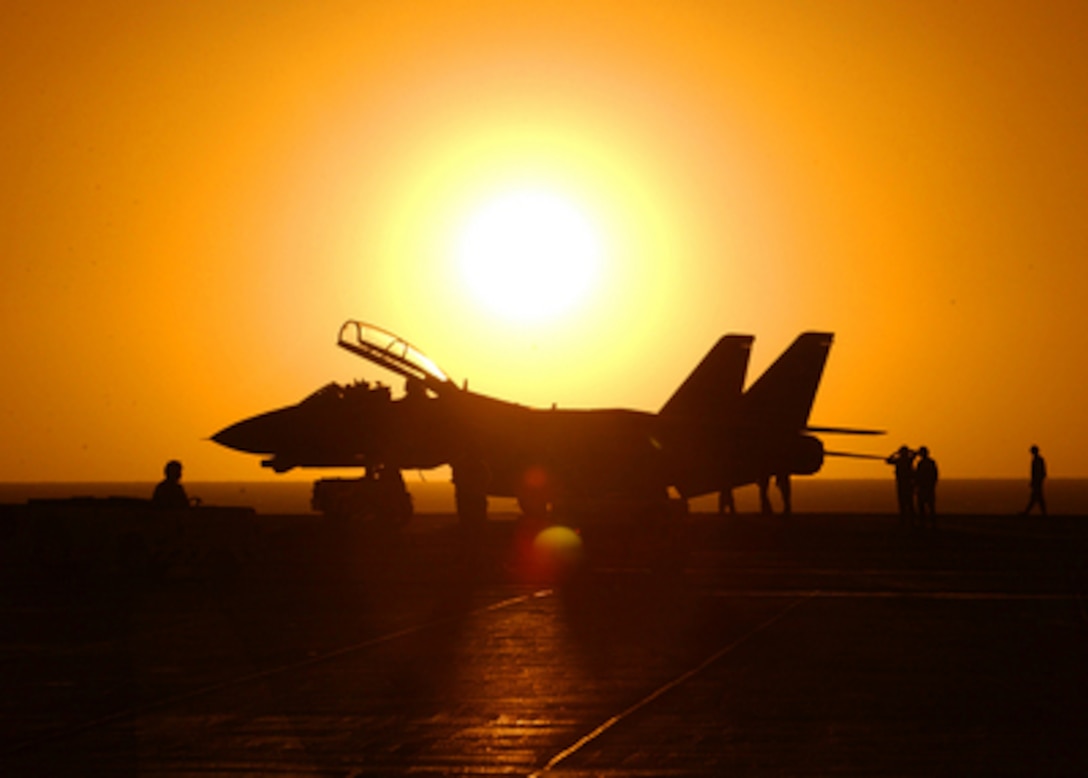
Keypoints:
(782, 397)
(714, 389)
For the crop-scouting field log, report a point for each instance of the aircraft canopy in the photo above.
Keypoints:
(391, 352)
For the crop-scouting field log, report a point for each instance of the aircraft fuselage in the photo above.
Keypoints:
(710, 436)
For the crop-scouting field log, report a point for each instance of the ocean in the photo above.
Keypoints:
(1065, 496)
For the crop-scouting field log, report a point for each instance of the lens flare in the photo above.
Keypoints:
(558, 550)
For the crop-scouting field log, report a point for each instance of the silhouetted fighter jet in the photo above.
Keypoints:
(710, 435)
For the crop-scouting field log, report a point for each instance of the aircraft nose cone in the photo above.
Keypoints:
(248, 435)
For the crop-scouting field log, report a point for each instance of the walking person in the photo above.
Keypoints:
(1038, 477)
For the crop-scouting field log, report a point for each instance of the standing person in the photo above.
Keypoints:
(925, 483)
(782, 481)
(903, 460)
(726, 503)
(170, 494)
(471, 478)
(764, 484)
(1038, 476)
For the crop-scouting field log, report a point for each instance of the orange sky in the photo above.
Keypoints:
(196, 195)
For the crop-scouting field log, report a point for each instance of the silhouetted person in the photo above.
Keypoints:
(925, 484)
(170, 494)
(471, 478)
(1038, 476)
(414, 389)
(764, 482)
(726, 503)
(903, 460)
(782, 481)
(396, 503)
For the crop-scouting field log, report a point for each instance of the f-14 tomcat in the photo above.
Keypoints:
(710, 436)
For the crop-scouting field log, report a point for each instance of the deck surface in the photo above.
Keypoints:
(814, 645)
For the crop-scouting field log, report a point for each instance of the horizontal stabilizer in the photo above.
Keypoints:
(852, 455)
(844, 431)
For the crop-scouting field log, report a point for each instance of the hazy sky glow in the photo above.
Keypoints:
(196, 196)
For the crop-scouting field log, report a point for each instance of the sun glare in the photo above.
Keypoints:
(529, 254)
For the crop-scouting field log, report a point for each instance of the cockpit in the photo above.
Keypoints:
(393, 353)
(359, 392)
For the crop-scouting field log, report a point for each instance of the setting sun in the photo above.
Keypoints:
(564, 202)
(529, 254)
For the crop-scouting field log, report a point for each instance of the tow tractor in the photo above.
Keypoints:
(379, 495)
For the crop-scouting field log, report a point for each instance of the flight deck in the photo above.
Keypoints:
(814, 645)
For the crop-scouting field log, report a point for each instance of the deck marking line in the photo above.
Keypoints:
(166, 702)
(680, 679)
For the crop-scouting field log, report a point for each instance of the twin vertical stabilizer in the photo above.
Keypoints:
(780, 398)
(713, 390)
